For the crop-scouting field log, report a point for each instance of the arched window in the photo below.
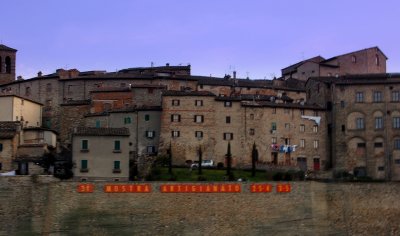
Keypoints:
(377, 60)
(353, 59)
(8, 65)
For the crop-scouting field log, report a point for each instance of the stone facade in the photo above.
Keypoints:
(101, 153)
(7, 64)
(364, 122)
(194, 120)
(366, 61)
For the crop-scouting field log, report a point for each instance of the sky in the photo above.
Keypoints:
(256, 38)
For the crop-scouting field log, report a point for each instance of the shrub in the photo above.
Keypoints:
(278, 176)
(220, 165)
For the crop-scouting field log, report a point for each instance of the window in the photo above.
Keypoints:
(274, 110)
(198, 103)
(151, 150)
(286, 110)
(287, 126)
(147, 117)
(98, 124)
(252, 132)
(107, 106)
(395, 96)
(360, 145)
(377, 96)
(28, 91)
(175, 102)
(302, 143)
(228, 119)
(378, 145)
(117, 145)
(150, 134)
(198, 118)
(117, 165)
(302, 128)
(359, 97)
(198, 134)
(84, 164)
(273, 126)
(397, 161)
(127, 120)
(84, 145)
(378, 123)
(227, 104)
(251, 116)
(397, 144)
(316, 143)
(175, 118)
(315, 129)
(150, 90)
(228, 136)
(353, 59)
(48, 87)
(360, 123)
(376, 60)
(273, 140)
(302, 112)
(342, 104)
(175, 134)
(1, 147)
(315, 113)
(8, 65)
(1, 165)
(1, 65)
(396, 122)
(343, 128)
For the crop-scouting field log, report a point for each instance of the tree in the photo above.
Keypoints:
(200, 160)
(229, 161)
(254, 159)
(169, 151)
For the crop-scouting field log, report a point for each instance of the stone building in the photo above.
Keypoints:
(363, 119)
(16, 108)
(7, 64)
(101, 154)
(9, 141)
(286, 133)
(365, 61)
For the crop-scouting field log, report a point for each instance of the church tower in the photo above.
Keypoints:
(7, 64)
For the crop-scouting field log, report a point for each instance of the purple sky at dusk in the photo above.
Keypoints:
(257, 37)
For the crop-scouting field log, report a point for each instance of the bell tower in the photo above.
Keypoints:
(7, 64)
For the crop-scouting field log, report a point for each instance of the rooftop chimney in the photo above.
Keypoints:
(167, 64)
(39, 74)
(234, 74)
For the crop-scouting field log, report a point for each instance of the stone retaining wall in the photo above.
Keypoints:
(45, 206)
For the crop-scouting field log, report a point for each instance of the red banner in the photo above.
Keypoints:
(260, 188)
(127, 188)
(85, 188)
(283, 188)
(200, 188)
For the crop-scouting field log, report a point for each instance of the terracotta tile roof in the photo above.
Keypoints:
(187, 93)
(75, 102)
(5, 48)
(90, 131)
(8, 129)
(283, 105)
(361, 79)
(111, 89)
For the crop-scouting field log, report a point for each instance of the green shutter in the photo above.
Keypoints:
(98, 124)
(84, 164)
(84, 144)
(117, 165)
(273, 126)
(117, 145)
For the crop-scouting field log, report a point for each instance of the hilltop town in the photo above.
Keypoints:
(325, 115)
